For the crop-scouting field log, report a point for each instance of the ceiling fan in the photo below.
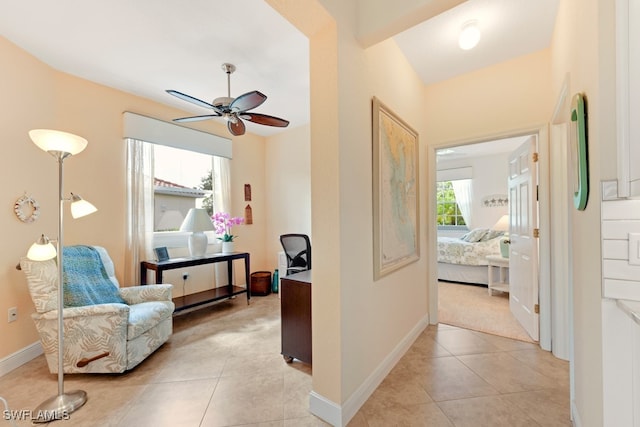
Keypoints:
(232, 110)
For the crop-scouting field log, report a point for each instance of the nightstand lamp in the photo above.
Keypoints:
(503, 225)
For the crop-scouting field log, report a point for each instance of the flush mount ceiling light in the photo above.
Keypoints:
(469, 35)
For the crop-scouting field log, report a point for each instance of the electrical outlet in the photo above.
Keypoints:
(12, 314)
(185, 276)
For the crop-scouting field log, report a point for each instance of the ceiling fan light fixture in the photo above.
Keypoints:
(228, 117)
(469, 35)
(231, 110)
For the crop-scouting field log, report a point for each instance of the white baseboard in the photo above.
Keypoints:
(20, 357)
(324, 408)
(575, 416)
(339, 416)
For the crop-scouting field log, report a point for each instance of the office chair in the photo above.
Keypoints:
(297, 247)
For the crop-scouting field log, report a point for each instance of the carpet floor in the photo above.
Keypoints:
(471, 307)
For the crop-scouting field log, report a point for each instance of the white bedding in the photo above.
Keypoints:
(459, 273)
(452, 250)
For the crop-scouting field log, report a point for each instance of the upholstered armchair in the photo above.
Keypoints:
(109, 337)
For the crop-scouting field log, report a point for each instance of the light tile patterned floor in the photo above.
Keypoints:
(222, 367)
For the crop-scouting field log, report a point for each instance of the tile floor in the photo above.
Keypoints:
(222, 367)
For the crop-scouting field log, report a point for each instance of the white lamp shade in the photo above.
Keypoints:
(469, 36)
(197, 220)
(502, 224)
(55, 140)
(42, 250)
(80, 207)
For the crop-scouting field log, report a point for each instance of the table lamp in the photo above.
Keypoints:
(503, 225)
(197, 221)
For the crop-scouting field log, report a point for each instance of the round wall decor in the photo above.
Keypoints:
(27, 209)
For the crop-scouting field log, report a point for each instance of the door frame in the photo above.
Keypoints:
(544, 245)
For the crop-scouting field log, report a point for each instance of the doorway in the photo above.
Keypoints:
(488, 161)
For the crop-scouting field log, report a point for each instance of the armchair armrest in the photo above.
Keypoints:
(118, 310)
(146, 293)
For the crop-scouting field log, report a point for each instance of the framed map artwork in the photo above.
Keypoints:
(395, 192)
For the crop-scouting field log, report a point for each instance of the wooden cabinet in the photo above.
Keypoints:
(295, 312)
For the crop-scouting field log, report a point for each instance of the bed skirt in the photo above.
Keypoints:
(475, 274)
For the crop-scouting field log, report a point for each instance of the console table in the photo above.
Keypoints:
(198, 298)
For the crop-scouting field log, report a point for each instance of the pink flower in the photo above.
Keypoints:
(222, 222)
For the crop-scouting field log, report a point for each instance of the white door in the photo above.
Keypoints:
(523, 250)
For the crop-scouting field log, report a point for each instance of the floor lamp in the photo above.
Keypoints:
(60, 145)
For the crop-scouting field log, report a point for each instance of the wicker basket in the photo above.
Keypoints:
(261, 283)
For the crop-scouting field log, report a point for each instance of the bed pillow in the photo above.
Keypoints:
(491, 234)
(474, 235)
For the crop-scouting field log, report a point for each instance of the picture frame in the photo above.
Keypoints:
(579, 155)
(162, 254)
(396, 193)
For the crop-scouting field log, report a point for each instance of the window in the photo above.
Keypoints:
(448, 210)
(182, 180)
(143, 135)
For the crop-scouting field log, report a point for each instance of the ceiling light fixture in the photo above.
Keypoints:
(469, 35)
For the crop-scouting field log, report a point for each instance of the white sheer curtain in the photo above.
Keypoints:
(221, 184)
(463, 192)
(221, 180)
(139, 207)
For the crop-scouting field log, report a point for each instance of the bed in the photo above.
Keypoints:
(463, 259)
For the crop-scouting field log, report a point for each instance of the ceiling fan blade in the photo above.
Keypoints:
(263, 119)
(247, 101)
(195, 118)
(236, 128)
(192, 100)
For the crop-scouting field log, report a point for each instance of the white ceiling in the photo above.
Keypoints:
(147, 46)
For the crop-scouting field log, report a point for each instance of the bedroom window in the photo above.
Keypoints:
(448, 210)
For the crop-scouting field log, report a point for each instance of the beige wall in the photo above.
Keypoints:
(583, 46)
(510, 96)
(357, 321)
(377, 314)
(288, 183)
(40, 97)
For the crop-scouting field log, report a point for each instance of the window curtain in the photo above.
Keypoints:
(139, 164)
(221, 184)
(221, 176)
(462, 190)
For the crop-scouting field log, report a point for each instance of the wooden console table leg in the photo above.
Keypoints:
(247, 276)
(230, 276)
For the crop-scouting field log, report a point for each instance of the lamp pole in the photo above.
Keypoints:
(58, 407)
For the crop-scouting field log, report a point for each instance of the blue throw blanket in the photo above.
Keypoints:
(85, 280)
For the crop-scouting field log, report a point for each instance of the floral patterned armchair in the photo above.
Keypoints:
(103, 337)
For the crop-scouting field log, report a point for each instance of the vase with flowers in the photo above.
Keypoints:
(222, 222)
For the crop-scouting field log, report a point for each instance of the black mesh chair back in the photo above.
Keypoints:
(298, 250)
